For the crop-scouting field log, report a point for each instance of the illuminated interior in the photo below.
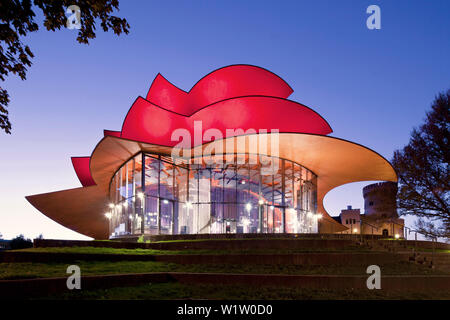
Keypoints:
(233, 195)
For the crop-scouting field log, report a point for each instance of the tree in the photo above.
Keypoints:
(20, 242)
(423, 171)
(17, 20)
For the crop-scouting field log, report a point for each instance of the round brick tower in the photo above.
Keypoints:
(380, 200)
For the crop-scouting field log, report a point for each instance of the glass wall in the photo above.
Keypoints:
(153, 194)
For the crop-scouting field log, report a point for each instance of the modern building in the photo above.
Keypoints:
(231, 155)
(380, 213)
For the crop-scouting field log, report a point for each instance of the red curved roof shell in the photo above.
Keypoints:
(81, 166)
(234, 97)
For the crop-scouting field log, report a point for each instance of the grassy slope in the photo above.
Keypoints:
(39, 270)
(27, 270)
(97, 250)
(180, 291)
(170, 291)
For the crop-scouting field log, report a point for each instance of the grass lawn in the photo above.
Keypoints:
(100, 250)
(170, 291)
(173, 290)
(429, 250)
(26, 270)
(29, 270)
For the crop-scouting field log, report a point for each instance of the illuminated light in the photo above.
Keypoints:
(245, 222)
(108, 215)
(188, 204)
(243, 182)
(140, 195)
(355, 230)
(272, 207)
(397, 236)
(248, 206)
(118, 206)
(131, 216)
(165, 201)
(319, 216)
(125, 204)
(309, 214)
(261, 201)
(111, 205)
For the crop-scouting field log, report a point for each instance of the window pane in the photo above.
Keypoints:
(151, 176)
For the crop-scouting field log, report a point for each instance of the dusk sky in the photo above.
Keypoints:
(372, 86)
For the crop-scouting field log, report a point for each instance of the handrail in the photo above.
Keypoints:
(433, 240)
(364, 222)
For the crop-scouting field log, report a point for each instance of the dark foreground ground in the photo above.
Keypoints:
(171, 291)
(21, 269)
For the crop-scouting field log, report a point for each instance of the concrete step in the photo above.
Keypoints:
(314, 259)
(307, 258)
(285, 242)
(211, 244)
(47, 286)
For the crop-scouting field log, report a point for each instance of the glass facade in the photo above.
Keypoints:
(154, 194)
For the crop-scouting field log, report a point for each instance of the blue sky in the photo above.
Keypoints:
(372, 86)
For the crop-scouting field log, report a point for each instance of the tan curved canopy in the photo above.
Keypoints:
(334, 161)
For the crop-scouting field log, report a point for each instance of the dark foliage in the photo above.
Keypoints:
(17, 21)
(20, 242)
(423, 170)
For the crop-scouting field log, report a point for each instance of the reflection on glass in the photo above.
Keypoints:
(207, 196)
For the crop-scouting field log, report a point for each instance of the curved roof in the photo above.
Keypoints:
(221, 84)
(335, 161)
(149, 123)
(241, 97)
